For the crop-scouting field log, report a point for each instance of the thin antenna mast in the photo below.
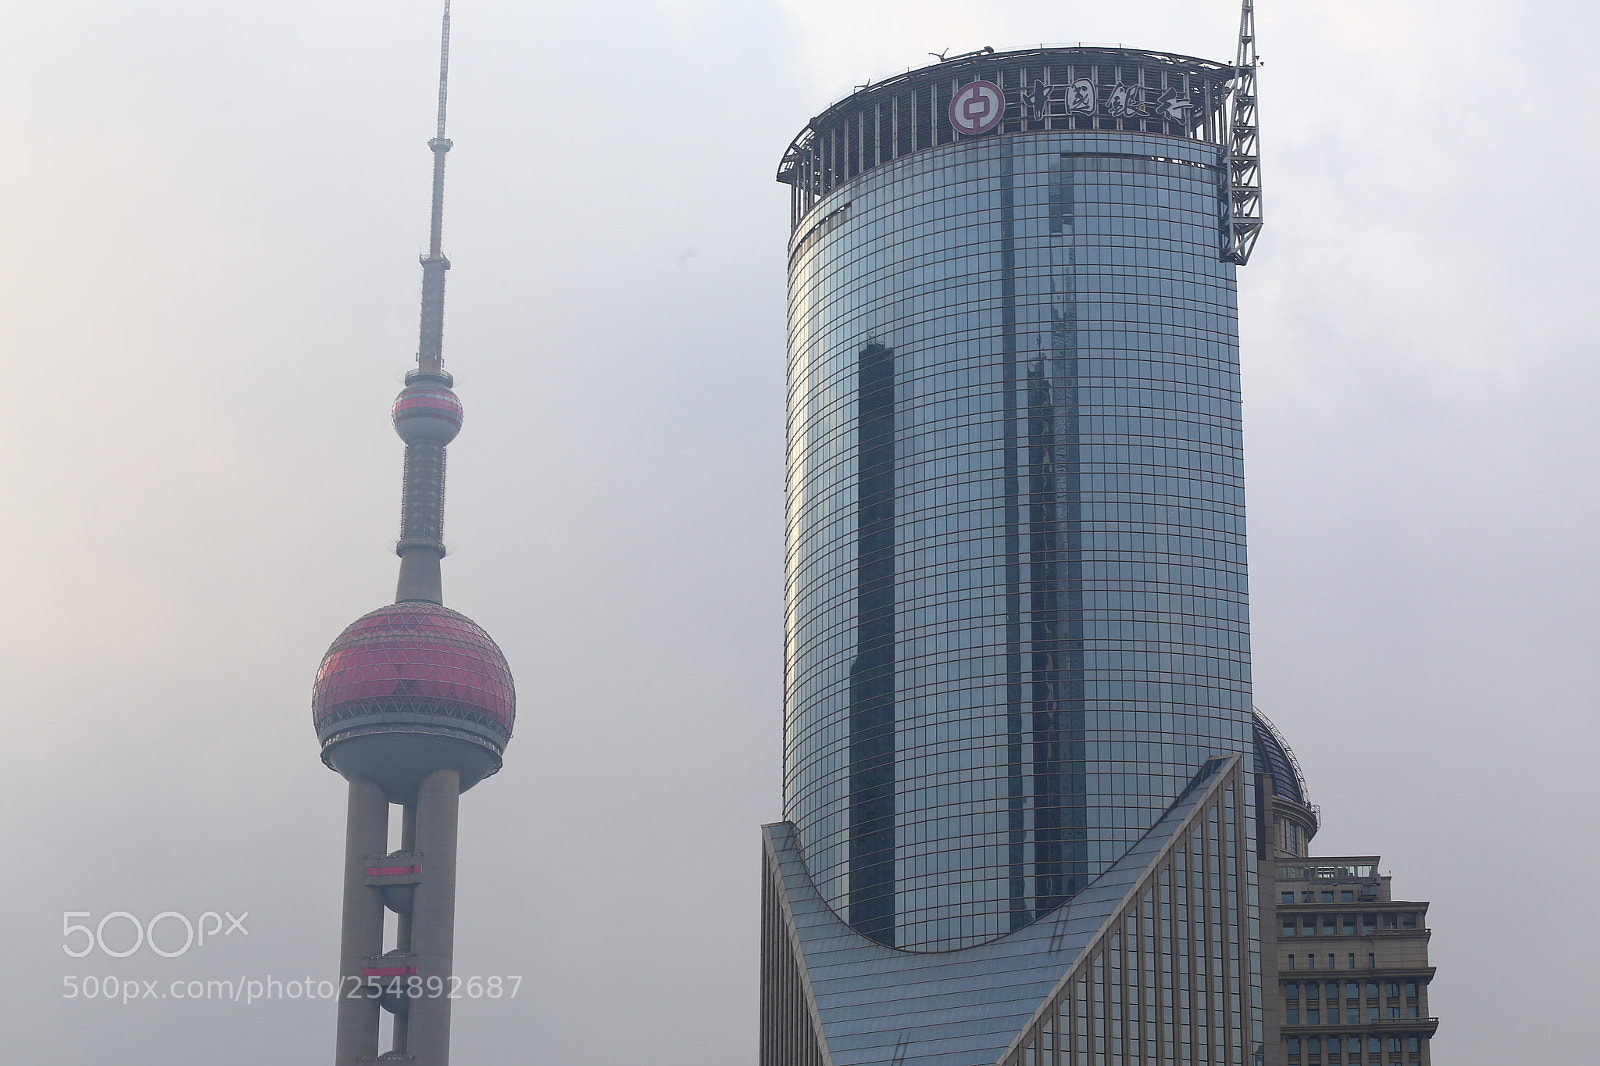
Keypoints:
(1244, 147)
(430, 346)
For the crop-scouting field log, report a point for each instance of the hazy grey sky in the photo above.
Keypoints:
(211, 216)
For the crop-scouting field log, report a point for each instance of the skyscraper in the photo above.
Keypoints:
(1019, 824)
(413, 704)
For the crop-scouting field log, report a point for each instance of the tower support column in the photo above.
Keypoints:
(433, 917)
(419, 576)
(361, 933)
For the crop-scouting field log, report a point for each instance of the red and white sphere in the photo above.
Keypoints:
(409, 689)
(427, 411)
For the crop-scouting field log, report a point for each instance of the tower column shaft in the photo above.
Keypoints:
(422, 523)
(419, 577)
(366, 834)
(433, 916)
(430, 341)
(408, 843)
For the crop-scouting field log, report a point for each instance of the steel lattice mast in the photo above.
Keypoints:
(1244, 146)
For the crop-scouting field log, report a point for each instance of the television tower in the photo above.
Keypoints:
(413, 705)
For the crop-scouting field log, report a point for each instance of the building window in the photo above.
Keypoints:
(1372, 988)
(1394, 1012)
(1288, 925)
(1408, 920)
(1291, 990)
(1411, 989)
(1413, 1044)
(1331, 964)
(1307, 897)
(1349, 923)
(1313, 1016)
(1288, 897)
(1411, 1011)
(1311, 962)
(1352, 961)
(1314, 1045)
(1374, 1045)
(1347, 895)
(1369, 922)
(1294, 1045)
(1291, 1016)
(1372, 1014)
(1372, 961)
(1394, 1043)
(1291, 962)
(1327, 897)
(1391, 989)
(1352, 990)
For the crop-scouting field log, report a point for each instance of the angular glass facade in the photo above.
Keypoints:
(1016, 603)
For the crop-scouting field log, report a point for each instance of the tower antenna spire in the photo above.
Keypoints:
(1244, 146)
(439, 137)
(430, 345)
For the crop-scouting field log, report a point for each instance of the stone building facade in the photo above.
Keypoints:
(1345, 968)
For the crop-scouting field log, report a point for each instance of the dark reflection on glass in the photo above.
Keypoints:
(1016, 761)
(872, 688)
(1055, 550)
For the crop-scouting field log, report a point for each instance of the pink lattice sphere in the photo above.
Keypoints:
(427, 410)
(413, 687)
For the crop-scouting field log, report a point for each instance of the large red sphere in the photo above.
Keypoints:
(410, 685)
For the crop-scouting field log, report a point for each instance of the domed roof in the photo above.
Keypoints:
(1274, 757)
(418, 658)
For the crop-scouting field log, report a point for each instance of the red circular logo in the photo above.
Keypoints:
(977, 107)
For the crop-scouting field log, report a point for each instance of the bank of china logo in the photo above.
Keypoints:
(977, 107)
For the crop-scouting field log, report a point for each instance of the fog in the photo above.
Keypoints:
(212, 215)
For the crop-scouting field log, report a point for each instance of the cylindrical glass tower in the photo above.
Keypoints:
(1016, 605)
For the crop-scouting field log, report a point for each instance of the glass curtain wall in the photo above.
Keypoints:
(1016, 602)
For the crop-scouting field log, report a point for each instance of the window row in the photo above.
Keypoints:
(1347, 1016)
(1351, 989)
(1310, 960)
(1352, 1045)
(1346, 895)
(1345, 924)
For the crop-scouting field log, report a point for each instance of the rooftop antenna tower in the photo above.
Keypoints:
(1244, 147)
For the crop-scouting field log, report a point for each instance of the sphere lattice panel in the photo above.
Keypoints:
(411, 688)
